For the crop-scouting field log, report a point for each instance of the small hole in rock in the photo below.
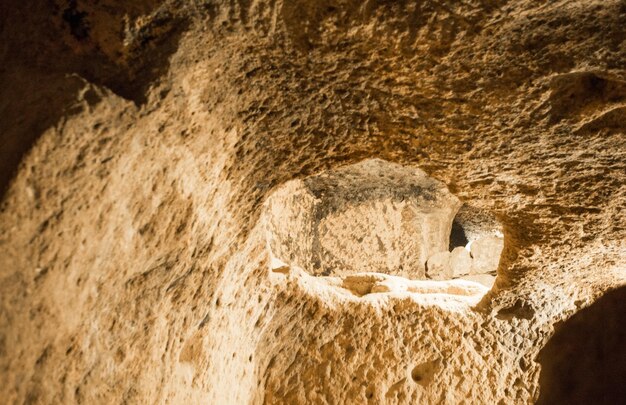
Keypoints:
(423, 373)
(416, 375)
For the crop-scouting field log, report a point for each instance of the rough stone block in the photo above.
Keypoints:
(438, 266)
(486, 254)
(460, 262)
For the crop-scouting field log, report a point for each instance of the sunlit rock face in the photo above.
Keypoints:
(476, 245)
(373, 216)
(192, 210)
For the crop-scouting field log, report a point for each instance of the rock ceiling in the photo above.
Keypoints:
(142, 142)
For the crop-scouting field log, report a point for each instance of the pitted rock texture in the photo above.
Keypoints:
(373, 216)
(140, 140)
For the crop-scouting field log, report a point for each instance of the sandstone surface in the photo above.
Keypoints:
(140, 143)
(373, 216)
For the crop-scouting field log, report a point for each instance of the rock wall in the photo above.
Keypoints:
(140, 141)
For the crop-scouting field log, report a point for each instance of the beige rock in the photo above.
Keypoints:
(447, 265)
(472, 223)
(486, 253)
(460, 262)
(438, 266)
(485, 279)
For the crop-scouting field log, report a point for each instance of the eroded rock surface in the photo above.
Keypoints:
(139, 142)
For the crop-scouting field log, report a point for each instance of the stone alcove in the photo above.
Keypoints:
(380, 218)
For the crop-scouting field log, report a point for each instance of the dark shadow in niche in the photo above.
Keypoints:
(457, 236)
(36, 90)
(149, 60)
(585, 361)
(36, 101)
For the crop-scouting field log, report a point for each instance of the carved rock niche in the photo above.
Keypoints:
(380, 217)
